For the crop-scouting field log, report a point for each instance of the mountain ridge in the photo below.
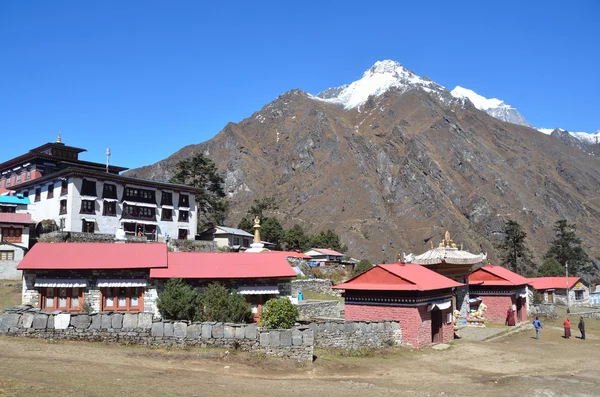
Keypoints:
(402, 166)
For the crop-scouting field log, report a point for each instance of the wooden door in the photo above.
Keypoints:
(436, 326)
(550, 297)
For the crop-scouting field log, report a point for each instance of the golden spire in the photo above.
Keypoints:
(58, 138)
(257, 230)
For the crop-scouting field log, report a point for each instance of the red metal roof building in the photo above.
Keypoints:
(124, 276)
(419, 298)
(554, 290)
(499, 289)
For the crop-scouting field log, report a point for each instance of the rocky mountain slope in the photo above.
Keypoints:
(394, 160)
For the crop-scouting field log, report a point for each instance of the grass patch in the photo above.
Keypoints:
(321, 297)
(10, 296)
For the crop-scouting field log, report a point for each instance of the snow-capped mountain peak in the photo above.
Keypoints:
(493, 106)
(480, 102)
(382, 76)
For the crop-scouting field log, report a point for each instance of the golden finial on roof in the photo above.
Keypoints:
(447, 236)
(256, 230)
(58, 138)
(431, 241)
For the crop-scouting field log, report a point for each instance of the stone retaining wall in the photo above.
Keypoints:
(80, 237)
(587, 314)
(313, 309)
(543, 310)
(140, 329)
(318, 285)
(356, 335)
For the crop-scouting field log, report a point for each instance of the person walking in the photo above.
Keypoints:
(567, 325)
(537, 324)
(581, 327)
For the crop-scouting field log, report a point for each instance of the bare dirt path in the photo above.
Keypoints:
(515, 365)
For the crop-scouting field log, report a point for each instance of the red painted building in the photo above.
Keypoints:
(499, 289)
(419, 298)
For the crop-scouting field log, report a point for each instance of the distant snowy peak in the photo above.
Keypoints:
(493, 106)
(382, 76)
(581, 136)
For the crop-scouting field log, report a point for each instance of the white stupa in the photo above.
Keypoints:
(257, 246)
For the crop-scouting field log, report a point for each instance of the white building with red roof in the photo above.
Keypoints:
(15, 223)
(126, 277)
(419, 298)
(554, 290)
(325, 255)
(499, 289)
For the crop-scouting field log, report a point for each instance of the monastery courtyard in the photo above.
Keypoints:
(515, 365)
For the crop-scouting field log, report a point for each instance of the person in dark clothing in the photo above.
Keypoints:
(581, 327)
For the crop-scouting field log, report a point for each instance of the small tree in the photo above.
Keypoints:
(279, 314)
(551, 268)
(201, 172)
(514, 253)
(218, 304)
(361, 267)
(327, 239)
(296, 238)
(178, 300)
(566, 247)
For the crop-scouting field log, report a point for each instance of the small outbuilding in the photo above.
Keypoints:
(419, 298)
(499, 290)
(554, 290)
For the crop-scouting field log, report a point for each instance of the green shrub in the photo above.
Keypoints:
(537, 297)
(279, 314)
(218, 304)
(178, 300)
(361, 267)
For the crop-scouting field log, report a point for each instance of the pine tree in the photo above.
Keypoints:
(514, 253)
(566, 248)
(296, 239)
(201, 172)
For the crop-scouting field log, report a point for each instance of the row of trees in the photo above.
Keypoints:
(565, 249)
(201, 172)
(180, 301)
(295, 238)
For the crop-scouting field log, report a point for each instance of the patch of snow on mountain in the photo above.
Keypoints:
(493, 106)
(546, 131)
(376, 81)
(587, 137)
(480, 102)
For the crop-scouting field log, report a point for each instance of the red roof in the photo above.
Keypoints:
(287, 254)
(224, 265)
(540, 283)
(327, 251)
(399, 277)
(91, 256)
(496, 276)
(15, 217)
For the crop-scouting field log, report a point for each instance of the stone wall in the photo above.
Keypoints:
(79, 237)
(318, 285)
(543, 310)
(140, 329)
(356, 334)
(194, 245)
(586, 314)
(314, 309)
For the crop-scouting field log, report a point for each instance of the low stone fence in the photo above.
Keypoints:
(140, 329)
(543, 310)
(314, 309)
(80, 237)
(587, 314)
(317, 285)
(356, 335)
(194, 245)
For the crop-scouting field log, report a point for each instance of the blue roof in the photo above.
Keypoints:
(232, 230)
(14, 200)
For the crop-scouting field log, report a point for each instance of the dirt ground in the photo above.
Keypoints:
(509, 366)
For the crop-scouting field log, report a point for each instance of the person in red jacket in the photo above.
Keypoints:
(567, 325)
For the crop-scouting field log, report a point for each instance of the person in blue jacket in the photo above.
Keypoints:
(537, 324)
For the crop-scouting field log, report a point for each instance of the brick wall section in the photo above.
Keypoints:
(415, 321)
(497, 305)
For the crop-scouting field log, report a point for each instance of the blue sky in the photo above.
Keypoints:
(147, 78)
